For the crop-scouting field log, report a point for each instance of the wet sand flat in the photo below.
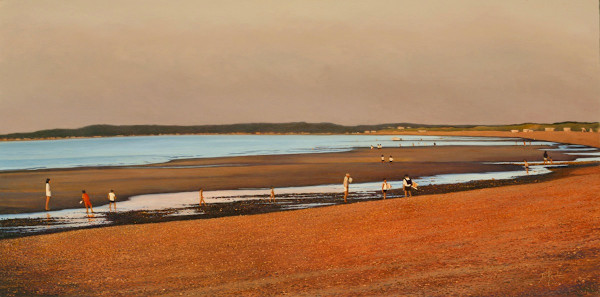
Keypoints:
(23, 191)
(533, 239)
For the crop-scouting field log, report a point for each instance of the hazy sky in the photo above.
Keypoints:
(74, 63)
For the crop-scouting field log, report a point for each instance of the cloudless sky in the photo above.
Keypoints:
(67, 64)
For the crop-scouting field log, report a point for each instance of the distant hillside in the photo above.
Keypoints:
(276, 128)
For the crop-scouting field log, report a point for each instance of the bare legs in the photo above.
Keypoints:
(346, 195)
(47, 202)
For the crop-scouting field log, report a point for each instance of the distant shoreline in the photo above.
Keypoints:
(294, 128)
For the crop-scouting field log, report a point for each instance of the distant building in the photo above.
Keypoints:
(548, 129)
(514, 131)
(367, 131)
(567, 129)
(373, 131)
(527, 130)
(400, 128)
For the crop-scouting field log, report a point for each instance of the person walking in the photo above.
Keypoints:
(385, 187)
(112, 200)
(272, 197)
(526, 166)
(48, 194)
(86, 201)
(545, 157)
(382, 159)
(347, 182)
(391, 159)
(407, 183)
(202, 197)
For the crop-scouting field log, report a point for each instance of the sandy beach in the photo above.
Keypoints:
(538, 239)
(534, 239)
(23, 191)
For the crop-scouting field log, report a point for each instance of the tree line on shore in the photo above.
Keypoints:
(278, 128)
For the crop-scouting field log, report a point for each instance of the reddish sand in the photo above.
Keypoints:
(537, 239)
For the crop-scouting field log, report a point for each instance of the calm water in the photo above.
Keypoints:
(74, 218)
(118, 151)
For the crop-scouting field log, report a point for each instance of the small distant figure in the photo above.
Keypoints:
(434, 144)
(371, 146)
(545, 157)
(347, 182)
(48, 194)
(86, 201)
(413, 144)
(391, 159)
(382, 159)
(112, 200)
(407, 183)
(272, 198)
(385, 187)
(399, 144)
(524, 143)
(202, 197)
(526, 166)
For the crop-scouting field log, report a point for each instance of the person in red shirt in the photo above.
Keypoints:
(86, 201)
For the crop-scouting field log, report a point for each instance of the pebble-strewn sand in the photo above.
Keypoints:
(539, 238)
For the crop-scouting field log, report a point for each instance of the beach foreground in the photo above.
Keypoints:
(535, 239)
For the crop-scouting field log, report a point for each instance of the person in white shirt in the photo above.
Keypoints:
(112, 200)
(391, 159)
(407, 183)
(48, 194)
(385, 187)
(347, 182)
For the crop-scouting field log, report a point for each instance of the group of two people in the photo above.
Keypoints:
(383, 159)
(85, 199)
(547, 160)
(407, 185)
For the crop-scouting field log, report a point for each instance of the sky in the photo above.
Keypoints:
(68, 64)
